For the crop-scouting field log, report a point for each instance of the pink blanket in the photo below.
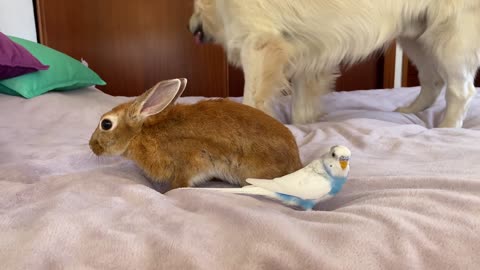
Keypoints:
(412, 200)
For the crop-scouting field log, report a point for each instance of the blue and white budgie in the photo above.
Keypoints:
(319, 180)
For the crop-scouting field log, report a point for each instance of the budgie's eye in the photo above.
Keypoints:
(333, 154)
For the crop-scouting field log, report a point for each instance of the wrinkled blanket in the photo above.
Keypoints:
(412, 200)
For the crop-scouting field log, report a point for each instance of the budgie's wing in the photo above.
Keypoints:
(302, 184)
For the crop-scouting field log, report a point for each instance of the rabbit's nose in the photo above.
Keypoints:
(95, 147)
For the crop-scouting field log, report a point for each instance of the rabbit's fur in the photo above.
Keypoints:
(185, 145)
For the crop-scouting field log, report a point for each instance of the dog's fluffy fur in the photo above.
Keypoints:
(305, 41)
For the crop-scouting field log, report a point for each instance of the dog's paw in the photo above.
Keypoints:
(265, 107)
(406, 110)
(446, 123)
(247, 100)
(301, 117)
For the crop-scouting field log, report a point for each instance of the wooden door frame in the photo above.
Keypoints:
(39, 18)
(389, 66)
(154, 57)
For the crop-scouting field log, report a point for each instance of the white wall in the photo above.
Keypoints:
(398, 67)
(17, 19)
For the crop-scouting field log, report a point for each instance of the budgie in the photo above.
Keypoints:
(321, 179)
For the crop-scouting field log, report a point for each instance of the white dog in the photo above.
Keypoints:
(305, 41)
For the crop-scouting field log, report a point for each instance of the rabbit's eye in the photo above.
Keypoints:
(106, 124)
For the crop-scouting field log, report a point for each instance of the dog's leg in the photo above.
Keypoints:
(430, 81)
(264, 59)
(307, 88)
(457, 56)
(459, 94)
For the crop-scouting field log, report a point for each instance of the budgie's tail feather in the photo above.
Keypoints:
(249, 190)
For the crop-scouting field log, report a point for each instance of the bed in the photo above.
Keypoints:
(412, 200)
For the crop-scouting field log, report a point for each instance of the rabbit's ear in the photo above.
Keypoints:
(159, 97)
(183, 81)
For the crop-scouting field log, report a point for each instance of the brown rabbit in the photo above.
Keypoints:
(185, 145)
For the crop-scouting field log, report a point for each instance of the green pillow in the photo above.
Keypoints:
(65, 73)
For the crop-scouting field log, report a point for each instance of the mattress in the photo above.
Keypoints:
(412, 200)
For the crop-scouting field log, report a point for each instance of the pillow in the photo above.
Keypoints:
(15, 60)
(65, 73)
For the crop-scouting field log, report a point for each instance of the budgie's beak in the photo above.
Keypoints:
(343, 163)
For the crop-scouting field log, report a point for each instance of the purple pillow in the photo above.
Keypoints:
(15, 60)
